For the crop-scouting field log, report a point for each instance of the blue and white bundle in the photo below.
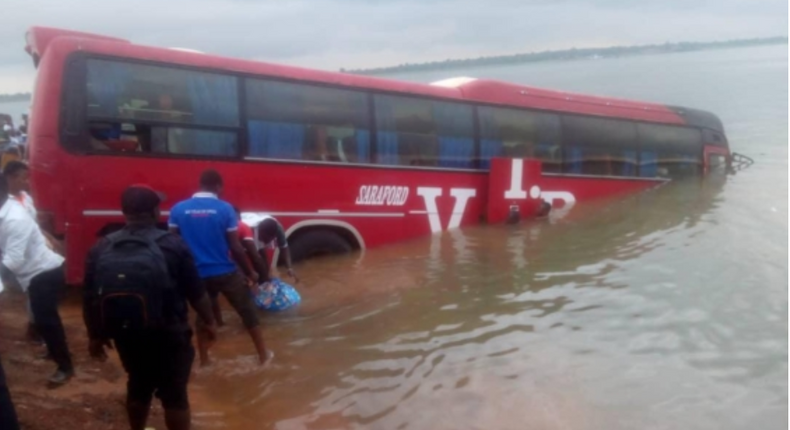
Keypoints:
(276, 296)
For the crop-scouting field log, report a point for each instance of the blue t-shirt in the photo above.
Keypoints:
(203, 222)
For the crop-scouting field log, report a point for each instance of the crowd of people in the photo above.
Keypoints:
(13, 140)
(139, 283)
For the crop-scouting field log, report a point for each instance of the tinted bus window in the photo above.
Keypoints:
(517, 133)
(303, 122)
(417, 132)
(143, 108)
(599, 146)
(668, 151)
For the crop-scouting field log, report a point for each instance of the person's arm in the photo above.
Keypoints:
(257, 262)
(282, 243)
(237, 251)
(90, 312)
(55, 244)
(234, 244)
(18, 234)
(172, 223)
(288, 263)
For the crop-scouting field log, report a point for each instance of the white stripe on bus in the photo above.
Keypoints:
(323, 213)
(110, 213)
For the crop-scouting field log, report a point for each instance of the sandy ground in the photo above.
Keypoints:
(94, 399)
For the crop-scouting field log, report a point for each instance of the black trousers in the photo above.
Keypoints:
(44, 292)
(158, 363)
(8, 419)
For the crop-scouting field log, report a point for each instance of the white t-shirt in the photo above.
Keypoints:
(26, 200)
(25, 252)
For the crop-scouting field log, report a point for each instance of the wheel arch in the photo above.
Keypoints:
(342, 228)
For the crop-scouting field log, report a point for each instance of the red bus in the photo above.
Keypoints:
(345, 162)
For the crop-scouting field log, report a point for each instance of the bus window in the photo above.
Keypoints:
(306, 122)
(669, 151)
(599, 146)
(144, 108)
(517, 133)
(417, 132)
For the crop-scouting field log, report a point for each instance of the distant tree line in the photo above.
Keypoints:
(14, 97)
(572, 54)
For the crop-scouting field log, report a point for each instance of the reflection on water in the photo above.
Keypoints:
(606, 318)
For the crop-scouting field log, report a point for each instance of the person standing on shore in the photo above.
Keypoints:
(40, 273)
(210, 228)
(17, 174)
(8, 419)
(137, 285)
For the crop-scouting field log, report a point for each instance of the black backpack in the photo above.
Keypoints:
(132, 281)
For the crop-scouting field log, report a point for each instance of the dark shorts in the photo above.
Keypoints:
(234, 287)
(158, 363)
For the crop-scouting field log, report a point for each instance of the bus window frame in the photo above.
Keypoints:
(71, 140)
(369, 111)
(701, 162)
(242, 153)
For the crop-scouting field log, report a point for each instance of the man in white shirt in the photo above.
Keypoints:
(39, 271)
(17, 174)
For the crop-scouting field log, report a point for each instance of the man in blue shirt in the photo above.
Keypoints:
(210, 228)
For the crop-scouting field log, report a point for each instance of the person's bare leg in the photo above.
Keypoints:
(178, 419)
(138, 414)
(202, 345)
(260, 345)
(217, 311)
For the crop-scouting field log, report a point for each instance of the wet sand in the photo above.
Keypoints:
(94, 399)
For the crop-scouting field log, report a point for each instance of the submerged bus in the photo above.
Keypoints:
(344, 161)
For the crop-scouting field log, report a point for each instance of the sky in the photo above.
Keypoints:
(330, 34)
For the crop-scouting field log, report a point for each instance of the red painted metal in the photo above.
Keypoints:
(80, 194)
(513, 184)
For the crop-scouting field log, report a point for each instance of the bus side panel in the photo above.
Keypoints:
(381, 205)
(591, 188)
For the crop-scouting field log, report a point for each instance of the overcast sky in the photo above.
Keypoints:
(330, 34)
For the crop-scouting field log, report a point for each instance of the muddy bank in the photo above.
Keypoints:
(94, 399)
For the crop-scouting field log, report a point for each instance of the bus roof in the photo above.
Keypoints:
(462, 89)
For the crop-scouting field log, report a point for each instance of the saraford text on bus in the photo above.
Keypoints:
(345, 162)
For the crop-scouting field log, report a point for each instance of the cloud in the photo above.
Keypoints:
(330, 34)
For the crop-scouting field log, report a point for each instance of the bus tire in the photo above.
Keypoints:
(315, 243)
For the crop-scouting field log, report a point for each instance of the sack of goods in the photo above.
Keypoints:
(276, 296)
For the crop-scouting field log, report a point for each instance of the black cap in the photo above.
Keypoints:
(140, 199)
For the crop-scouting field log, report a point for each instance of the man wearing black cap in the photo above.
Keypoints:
(156, 356)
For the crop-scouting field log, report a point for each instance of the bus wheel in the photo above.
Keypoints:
(315, 243)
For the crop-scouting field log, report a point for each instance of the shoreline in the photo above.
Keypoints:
(567, 55)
